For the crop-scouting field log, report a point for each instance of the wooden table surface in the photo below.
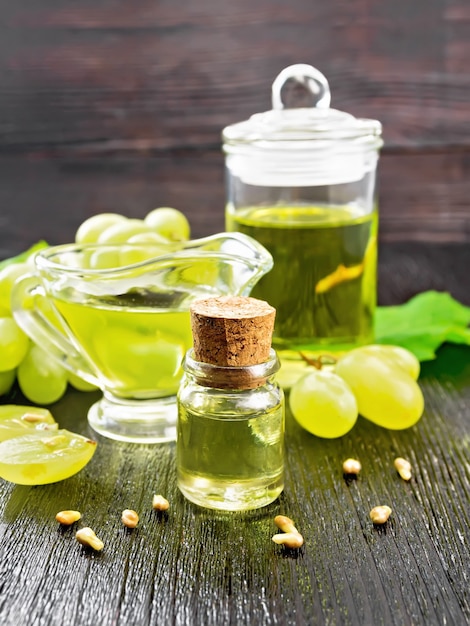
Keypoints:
(194, 566)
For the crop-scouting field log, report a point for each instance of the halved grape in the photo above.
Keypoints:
(323, 404)
(14, 344)
(169, 222)
(385, 393)
(122, 231)
(91, 229)
(42, 379)
(17, 420)
(43, 458)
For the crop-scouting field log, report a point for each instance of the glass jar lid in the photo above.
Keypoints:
(316, 122)
(304, 145)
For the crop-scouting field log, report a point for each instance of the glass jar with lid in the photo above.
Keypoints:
(302, 181)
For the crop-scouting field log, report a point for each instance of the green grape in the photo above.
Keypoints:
(14, 344)
(385, 393)
(290, 372)
(105, 259)
(149, 237)
(7, 379)
(80, 384)
(42, 379)
(17, 420)
(91, 229)
(123, 230)
(397, 355)
(131, 254)
(8, 276)
(41, 458)
(323, 404)
(169, 222)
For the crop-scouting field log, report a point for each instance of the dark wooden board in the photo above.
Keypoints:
(170, 75)
(49, 198)
(111, 104)
(192, 566)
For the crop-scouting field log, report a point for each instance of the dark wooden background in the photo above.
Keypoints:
(115, 105)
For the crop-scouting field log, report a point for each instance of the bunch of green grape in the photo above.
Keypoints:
(40, 377)
(378, 382)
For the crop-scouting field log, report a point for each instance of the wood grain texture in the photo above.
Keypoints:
(192, 566)
(49, 198)
(110, 103)
(175, 75)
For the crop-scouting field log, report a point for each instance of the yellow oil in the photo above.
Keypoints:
(135, 349)
(323, 283)
(229, 461)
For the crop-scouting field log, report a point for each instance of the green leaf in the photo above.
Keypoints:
(24, 255)
(423, 323)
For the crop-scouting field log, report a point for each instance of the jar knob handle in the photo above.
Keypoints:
(299, 83)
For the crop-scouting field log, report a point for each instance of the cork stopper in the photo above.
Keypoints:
(232, 332)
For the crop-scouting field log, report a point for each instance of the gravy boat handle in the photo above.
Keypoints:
(37, 317)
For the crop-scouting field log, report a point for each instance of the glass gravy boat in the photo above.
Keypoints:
(118, 317)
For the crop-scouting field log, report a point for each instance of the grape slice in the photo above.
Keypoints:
(17, 420)
(43, 458)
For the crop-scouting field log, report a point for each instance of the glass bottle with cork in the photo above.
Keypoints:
(230, 440)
